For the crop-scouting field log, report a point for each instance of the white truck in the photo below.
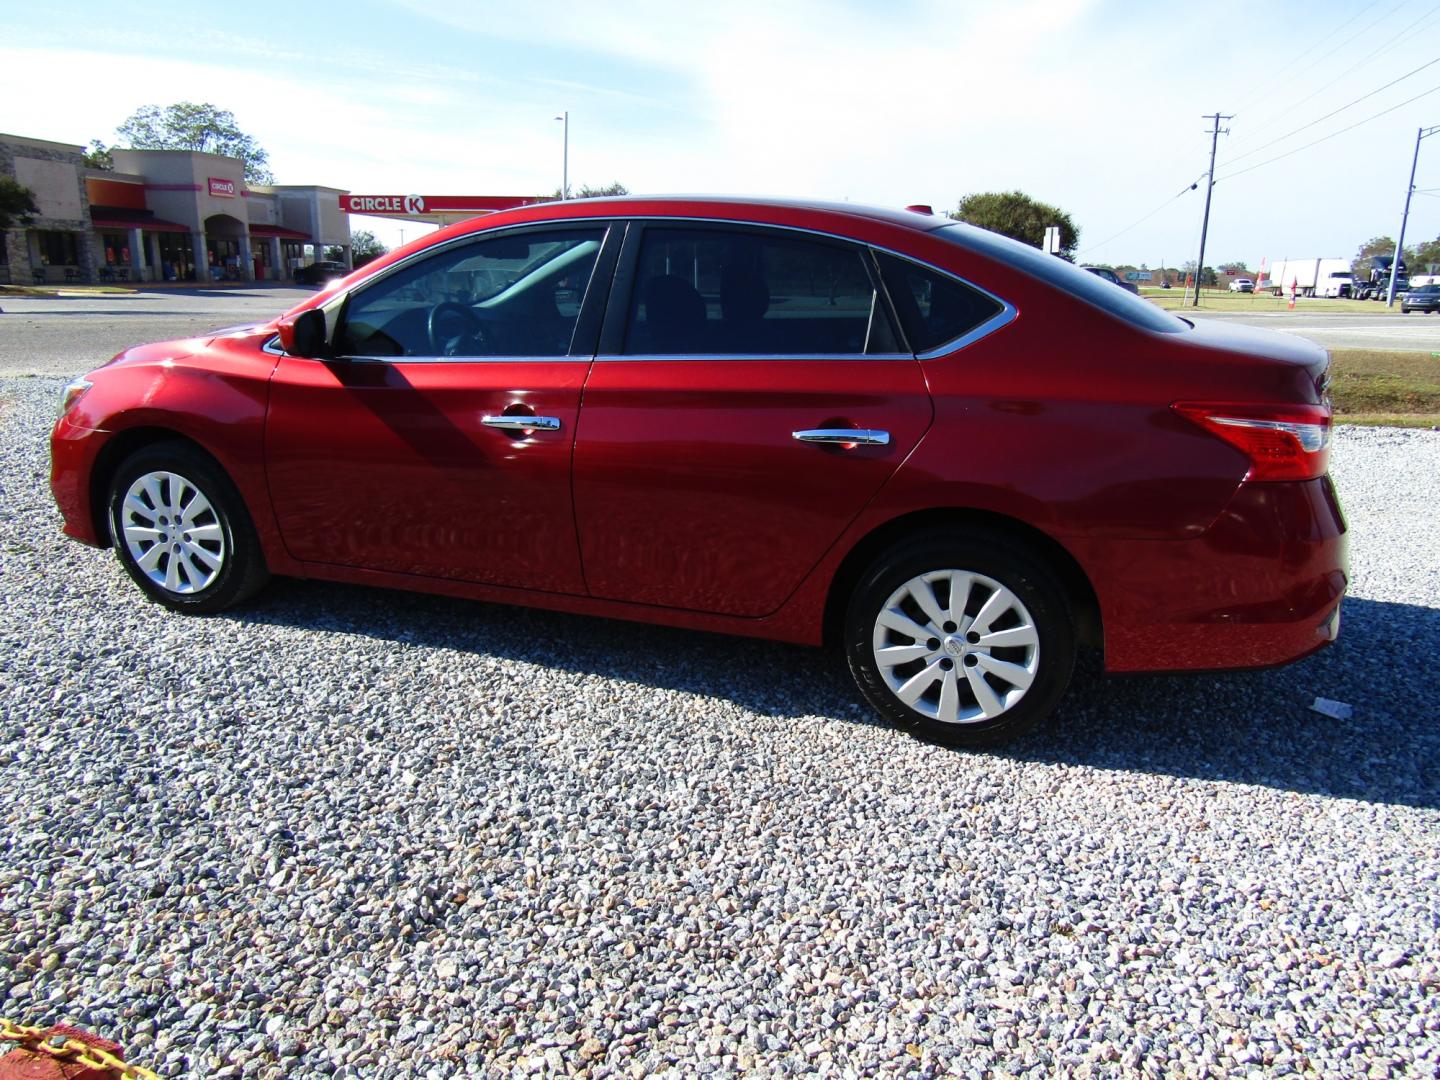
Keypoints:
(1310, 277)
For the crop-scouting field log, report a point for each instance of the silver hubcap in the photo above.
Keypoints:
(956, 646)
(172, 532)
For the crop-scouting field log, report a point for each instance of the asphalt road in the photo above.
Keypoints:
(1337, 330)
(70, 335)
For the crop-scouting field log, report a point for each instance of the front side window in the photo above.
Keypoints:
(513, 295)
(752, 293)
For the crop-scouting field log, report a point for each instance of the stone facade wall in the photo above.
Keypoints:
(53, 171)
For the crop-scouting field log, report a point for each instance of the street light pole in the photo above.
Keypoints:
(1405, 217)
(565, 166)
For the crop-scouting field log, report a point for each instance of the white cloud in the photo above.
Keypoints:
(1095, 107)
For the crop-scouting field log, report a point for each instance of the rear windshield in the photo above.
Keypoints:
(1063, 275)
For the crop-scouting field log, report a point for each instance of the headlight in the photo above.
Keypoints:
(73, 393)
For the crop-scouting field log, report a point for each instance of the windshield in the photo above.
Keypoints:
(1065, 276)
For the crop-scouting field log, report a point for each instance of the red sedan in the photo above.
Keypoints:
(955, 457)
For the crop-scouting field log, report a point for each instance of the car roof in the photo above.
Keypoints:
(720, 206)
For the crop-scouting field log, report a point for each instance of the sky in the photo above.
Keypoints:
(1095, 106)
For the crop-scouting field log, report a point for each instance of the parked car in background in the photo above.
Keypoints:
(1426, 299)
(318, 273)
(1114, 278)
(1242, 284)
(953, 457)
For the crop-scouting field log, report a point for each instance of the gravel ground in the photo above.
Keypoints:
(355, 833)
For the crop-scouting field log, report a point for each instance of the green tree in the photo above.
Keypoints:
(1420, 258)
(1235, 268)
(188, 126)
(1018, 216)
(17, 203)
(1207, 277)
(364, 247)
(97, 156)
(1363, 262)
(585, 191)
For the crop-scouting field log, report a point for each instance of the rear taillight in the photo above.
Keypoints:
(1283, 442)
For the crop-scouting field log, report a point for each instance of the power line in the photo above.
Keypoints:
(1136, 224)
(1327, 138)
(1295, 60)
(1369, 26)
(1336, 112)
(1353, 67)
(1315, 46)
(1368, 58)
(1325, 56)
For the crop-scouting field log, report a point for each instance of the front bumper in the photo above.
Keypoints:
(1262, 586)
(73, 453)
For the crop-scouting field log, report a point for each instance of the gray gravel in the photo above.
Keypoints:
(356, 833)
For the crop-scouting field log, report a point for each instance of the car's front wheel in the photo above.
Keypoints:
(965, 640)
(182, 532)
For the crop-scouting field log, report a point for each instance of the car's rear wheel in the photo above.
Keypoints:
(965, 640)
(182, 532)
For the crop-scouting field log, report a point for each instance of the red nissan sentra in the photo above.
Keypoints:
(955, 457)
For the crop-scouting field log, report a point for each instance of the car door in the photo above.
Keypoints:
(749, 398)
(436, 440)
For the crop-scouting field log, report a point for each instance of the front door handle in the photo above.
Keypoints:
(522, 423)
(844, 436)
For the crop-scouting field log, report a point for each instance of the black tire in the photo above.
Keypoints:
(992, 559)
(223, 531)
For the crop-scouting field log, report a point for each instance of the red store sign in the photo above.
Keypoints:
(225, 189)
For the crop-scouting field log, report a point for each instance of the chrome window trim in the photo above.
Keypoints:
(651, 357)
(555, 359)
(273, 348)
(1002, 318)
(996, 322)
(1008, 313)
(471, 237)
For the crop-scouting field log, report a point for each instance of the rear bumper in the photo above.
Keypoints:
(1262, 586)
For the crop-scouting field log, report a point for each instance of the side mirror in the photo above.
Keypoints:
(303, 334)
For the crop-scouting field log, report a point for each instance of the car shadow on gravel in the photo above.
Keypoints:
(1258, 727)
(1245, 727)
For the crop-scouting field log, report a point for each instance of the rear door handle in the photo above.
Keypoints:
(522, 423)
(844, 436)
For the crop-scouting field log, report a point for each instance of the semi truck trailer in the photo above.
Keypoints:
(1310, 277)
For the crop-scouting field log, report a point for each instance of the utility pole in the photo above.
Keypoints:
(1215, 134)
(1405, 217)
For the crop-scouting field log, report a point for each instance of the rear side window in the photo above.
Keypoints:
(933, 307)
(749, 292)
(1060, 274)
